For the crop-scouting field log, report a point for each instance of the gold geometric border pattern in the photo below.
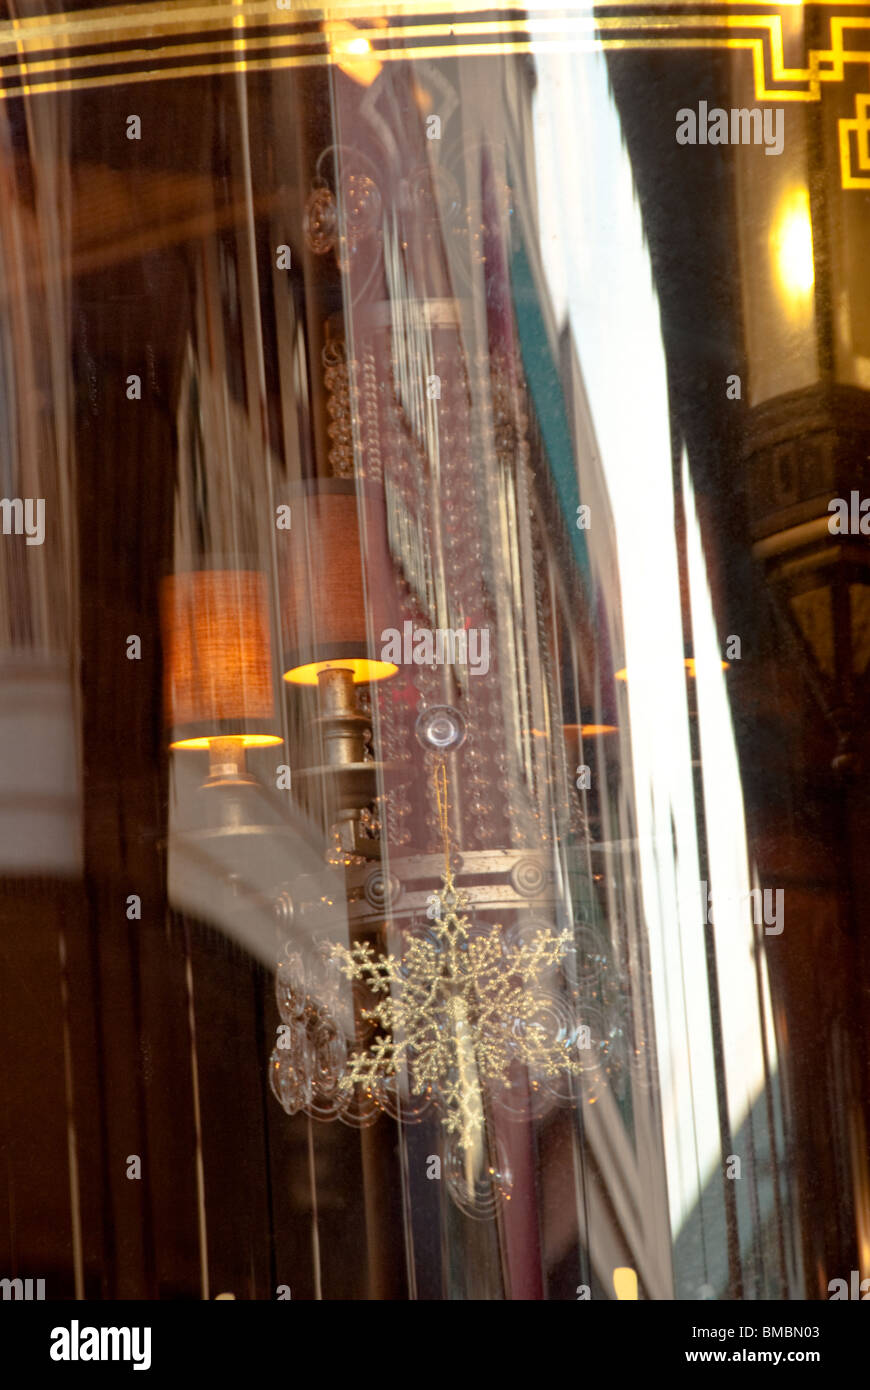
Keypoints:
(148, 41)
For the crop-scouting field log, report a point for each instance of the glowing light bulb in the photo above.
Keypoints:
(352, 52)
(625, 1284)
(792, 239)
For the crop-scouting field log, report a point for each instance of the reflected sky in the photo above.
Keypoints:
(600, 279)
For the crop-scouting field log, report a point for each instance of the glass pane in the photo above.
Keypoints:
(433, 651)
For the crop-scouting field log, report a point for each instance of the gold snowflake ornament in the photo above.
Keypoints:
(457, 1010)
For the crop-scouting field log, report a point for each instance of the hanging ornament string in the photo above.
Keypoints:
(441, 798)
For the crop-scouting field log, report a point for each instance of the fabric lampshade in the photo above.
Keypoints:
(217, 658)
(324, 598)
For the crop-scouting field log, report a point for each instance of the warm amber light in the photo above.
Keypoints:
(573, 732)
(792, 242)
(352, 52)
(248, 741)
(689, 663)
(625, 1284)
(363, 669)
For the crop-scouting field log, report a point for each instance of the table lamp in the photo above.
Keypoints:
(327, 589)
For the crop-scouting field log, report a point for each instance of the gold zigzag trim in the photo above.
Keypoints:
(148, 42)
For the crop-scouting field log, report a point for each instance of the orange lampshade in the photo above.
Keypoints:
(217, 658)
(323, 594)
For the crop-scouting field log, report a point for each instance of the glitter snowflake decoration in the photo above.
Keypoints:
(457, 1010)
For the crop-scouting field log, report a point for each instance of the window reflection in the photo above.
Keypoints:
(431, 715)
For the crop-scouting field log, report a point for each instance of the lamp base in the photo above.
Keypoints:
(226, 764)
(349, 778)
